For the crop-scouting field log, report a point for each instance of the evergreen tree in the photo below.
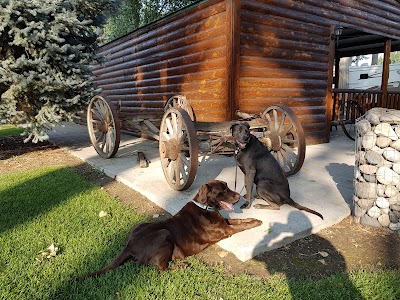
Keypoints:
(133, 14)
(46, 48)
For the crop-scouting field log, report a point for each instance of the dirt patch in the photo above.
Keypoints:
(343, 247)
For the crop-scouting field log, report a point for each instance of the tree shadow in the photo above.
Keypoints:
(34, 193)
(312, 257)
(31, 197)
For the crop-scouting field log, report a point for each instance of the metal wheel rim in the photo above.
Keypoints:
(349, 127)
(182, 102)
(103, 126)
(282, 122)
(176, 124)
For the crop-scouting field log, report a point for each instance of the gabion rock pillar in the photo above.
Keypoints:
(377, 169)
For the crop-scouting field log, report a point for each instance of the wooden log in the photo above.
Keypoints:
(143, 162)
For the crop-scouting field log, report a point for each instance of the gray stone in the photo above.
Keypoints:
(373, 157)
(363, 126)
(358, 211)
(380, 190)
(396, 145)
(382, 202)
(391, 154)
(395, 199)
(383, 141)
(385, 211)
(384, 220)
(384, 129)
(395, 207)
(387, 176)
(377, 149)
(365, 190)
(393, 217)
(392, 117)
(373, 116)
(385, 163)
(365, 203)
(367, 220)
(360, 157)
(396, 167)
(394, 226)
(391, 191)
(374, 212)
(397, 130)
(368, 169)
(369, 140)
(368, 178)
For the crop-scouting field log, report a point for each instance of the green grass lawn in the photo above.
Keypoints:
(57, 206)
(10, 130)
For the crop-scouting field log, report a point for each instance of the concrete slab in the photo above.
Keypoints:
(325, 184)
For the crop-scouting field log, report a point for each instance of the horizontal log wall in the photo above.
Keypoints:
(285, 55)
(284, 61)
(184, 54)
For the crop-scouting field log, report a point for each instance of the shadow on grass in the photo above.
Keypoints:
(308, 262)
(46, 205)
(27, 195)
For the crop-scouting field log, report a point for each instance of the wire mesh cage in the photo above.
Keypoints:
(377, 169)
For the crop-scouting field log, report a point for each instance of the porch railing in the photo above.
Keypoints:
(366, 99)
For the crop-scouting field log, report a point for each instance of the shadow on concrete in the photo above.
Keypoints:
(305, 263)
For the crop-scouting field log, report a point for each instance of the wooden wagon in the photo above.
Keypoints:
(261, 57)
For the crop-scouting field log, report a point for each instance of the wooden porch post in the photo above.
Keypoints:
(385, 72)
(333, 56)
(232, 57)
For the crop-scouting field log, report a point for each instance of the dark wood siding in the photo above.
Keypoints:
(184, 54)
(285, 52)
(225, 55)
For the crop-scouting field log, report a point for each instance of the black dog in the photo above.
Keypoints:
(261, 168)
(195, 227)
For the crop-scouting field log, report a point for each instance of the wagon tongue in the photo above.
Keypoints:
(225, 205)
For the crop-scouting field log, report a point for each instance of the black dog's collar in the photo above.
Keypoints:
(209, 208)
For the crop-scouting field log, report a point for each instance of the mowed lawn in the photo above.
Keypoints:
(56, 205)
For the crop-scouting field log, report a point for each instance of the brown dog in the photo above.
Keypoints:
(195, 227)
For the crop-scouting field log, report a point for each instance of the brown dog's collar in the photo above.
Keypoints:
(209, 208)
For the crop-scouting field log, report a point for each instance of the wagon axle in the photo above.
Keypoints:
(169, 149)
(277, 127)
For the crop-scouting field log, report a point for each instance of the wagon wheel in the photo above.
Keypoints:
(103, 126)
(348, 112)
(178, 148)
(180, 101)
(284, 138)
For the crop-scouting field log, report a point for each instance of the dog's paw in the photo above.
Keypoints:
(255, 221)
(265, 206)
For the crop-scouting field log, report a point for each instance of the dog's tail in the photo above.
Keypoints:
(291, 202)
(119, 260)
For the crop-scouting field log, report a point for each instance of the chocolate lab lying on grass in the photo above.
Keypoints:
(195, 227)
(261, 168)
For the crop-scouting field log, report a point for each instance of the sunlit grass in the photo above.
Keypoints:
(57, 206)
(10, 130)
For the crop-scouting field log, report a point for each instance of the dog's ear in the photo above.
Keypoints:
(246, 124)
(233, 125)
(201, 196)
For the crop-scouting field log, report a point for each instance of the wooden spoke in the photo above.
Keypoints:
(182, 102)
(178, 148)
(286, 138)
(103, 127)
